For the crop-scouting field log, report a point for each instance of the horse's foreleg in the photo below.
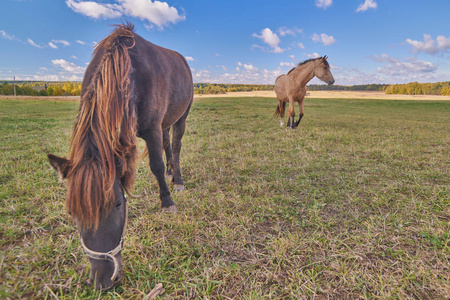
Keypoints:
(178, 132)
(300, 106)
(168, 151)
(154, 141)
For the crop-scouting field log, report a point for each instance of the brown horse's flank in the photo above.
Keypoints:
(103, 143)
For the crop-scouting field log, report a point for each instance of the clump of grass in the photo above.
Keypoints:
(352, 204)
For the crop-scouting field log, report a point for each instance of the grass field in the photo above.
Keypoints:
(353, 204)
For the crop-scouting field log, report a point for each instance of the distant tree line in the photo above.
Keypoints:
(415, 88)
(66, 88)
(334, 87)
(40, 88)
(215, 88)
(219, 88)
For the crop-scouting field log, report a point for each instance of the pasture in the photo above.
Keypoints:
(352, 204)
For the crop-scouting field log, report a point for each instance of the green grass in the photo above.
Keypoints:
(353, 204)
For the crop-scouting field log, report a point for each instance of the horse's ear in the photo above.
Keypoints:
(60, 164)
(325, 57)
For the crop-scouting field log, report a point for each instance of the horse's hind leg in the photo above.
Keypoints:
(282, 106)
(178, 131)
(154, 141)
(168, 150)
(291, 114)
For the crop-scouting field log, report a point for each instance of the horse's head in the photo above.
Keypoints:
(102, 243)
(322, 70)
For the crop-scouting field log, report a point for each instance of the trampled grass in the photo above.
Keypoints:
(353, 204)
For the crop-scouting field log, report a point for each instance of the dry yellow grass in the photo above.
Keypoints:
(334, 95)
(312, 94)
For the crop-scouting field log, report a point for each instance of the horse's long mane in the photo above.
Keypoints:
(103, 144)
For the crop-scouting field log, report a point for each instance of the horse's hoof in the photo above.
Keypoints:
(178, 187)
(169, 210)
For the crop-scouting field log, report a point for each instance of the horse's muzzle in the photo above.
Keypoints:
(330, 82)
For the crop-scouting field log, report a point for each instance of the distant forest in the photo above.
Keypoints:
(66, 88)
(218, 88)
(415, 88)
(41, 88)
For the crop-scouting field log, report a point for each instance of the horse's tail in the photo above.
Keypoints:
(104, 144)
(279, 111)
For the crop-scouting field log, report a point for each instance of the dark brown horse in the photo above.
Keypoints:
(131, 88)
(292, 86)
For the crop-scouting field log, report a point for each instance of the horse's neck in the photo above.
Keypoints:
(304, 73)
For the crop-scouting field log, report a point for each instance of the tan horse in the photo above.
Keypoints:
(292, 86)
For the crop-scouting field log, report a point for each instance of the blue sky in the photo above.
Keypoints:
(236, 41)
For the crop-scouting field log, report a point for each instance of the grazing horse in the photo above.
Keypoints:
(131, 88)
(292, 86)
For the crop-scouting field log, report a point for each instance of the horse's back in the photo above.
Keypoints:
(162, 83)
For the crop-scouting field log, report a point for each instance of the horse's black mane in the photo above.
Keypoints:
(307, 61)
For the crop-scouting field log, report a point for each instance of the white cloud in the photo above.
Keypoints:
(68, 66)
(30, 41)
(301, 46)
(5, 35)
(254, 46)
(409, 66)
(95, 10)
(244, 73)
(366, 5)
(246, 67)
(201, 76)
(287, 64)
(74, 57)
(270, 38)
(80, 42)
(189, 58)
(48, 77)
(324, 3)
(325, 39)
(312, 55)
(429, 46)
(250, 68)
(155, 12)
(54, 42)
(63, 42)
(283, 31)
